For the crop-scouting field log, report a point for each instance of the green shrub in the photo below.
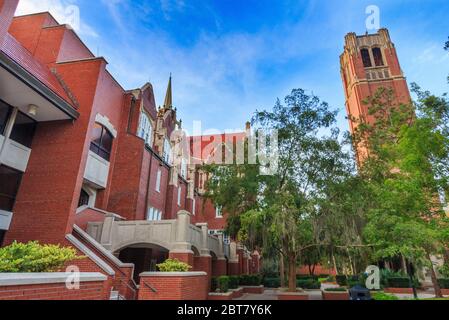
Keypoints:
(213, 284)
(399, 282)
(308, 284)
(383, 296)
(272, 282)
(173, 265)
(323, 275)
(336, 289)
(34, 257)
(233, 282)
(355, 281)
(250, 280)
(341, 279)
(444, 283)
(331, 278)
(385, 274)
(223, 284)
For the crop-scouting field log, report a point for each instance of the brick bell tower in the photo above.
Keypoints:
(368, 63)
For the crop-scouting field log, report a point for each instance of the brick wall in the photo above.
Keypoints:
(177, 286)
(88, 290)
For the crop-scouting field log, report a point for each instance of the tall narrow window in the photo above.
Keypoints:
(366, 58)
(145, 129)
(167, 151)
(158, 180)
(9, 186)
(84, 199)
(23, 130)
(101, 142)
(194, 206)
(179, 196)
(377, 54)
(5, 112)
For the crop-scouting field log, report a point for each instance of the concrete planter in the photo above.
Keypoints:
(284, 295)
(335, 295)
(399, 290)
(253, 289)
(218, 296)
(236, 293)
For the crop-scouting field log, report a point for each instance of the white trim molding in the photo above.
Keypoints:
(104, 121)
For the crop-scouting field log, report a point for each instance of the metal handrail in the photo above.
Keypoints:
(149, 286)
(134, 291)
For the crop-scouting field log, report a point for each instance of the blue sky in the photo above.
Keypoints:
(229, 58)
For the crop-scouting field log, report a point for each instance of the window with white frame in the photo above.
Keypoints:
(167, 151)
(179, 196)
(158, 180)
(145, 129)
(154, 214)
(218, 212)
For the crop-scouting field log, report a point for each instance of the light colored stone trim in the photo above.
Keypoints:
(172, 274)
(17, 279)
(103, 120)
(101, 249)
(90, 254)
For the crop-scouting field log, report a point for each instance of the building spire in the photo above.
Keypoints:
(168, 103)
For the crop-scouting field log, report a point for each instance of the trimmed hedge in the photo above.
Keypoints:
(335, 290)
(223, 284)
(444, 283)
(233, 282)
(272, 282)
(400, 282)
(213, 284)
(250, 280)
(308, 284)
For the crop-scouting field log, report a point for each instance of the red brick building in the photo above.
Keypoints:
(81, 156)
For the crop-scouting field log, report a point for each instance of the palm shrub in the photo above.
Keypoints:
(34, 257)
(173, 265)
(272, 282)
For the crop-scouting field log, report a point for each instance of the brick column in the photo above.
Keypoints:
(219, 267)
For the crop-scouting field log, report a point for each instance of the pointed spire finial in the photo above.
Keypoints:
(168, 103)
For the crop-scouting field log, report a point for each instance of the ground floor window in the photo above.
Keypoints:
(154, 214)
(9, 186)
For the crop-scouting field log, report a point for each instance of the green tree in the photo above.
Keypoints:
(406, 166)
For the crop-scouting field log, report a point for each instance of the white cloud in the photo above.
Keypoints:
(64, 11)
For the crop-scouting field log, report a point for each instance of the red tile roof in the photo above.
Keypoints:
(14, 50)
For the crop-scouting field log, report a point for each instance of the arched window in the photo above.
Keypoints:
(167, 151)
(145, 129)
(366, 58)
(377, 54)
(101, 142)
